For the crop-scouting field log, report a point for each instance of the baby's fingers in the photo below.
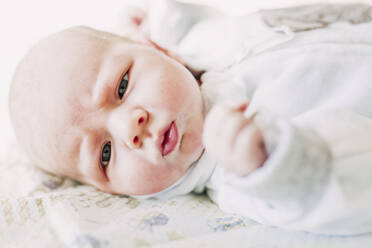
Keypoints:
(233, 105)
(221, 127)
(249, 149)
(216, 121)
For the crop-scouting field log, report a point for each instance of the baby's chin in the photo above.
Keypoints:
(182, 176)
(167, 186)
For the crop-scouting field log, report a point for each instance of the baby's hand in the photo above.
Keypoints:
(233, 140)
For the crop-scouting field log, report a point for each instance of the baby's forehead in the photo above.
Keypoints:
(44, 91)
(75, 44)
(59, 56)
(79, 51)
(81, 39)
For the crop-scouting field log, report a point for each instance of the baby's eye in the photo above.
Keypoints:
(123, 85)
(106, 154)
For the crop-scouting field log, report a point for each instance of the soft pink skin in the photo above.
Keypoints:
(86, 112)
(233, 140)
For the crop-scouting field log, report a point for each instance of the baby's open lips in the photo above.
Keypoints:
(168, 140)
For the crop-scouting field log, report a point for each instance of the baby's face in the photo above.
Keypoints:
(128, 119)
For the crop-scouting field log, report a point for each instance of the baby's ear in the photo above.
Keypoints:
(134, 25)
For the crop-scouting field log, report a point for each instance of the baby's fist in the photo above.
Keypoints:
(233, 140)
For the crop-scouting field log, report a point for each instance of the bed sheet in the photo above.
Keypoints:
(42, 210)
(50, 211)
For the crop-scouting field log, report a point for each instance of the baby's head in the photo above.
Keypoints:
(107, 111)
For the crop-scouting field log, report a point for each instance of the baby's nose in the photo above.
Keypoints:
(138, 128)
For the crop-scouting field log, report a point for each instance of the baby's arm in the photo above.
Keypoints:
(317, 177)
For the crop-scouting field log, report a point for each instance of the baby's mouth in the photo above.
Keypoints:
(169, 140)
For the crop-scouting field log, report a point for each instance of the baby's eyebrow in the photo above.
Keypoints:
(88, 162)
(102, 82)
(105, 81)
(98, 90)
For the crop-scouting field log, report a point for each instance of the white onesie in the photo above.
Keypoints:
(312, 92)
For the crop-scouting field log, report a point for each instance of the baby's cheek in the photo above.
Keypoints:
(158, 177)
(191, 144)
(146, 178)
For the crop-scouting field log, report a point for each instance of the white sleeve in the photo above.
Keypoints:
(207, 39)
(317, 177)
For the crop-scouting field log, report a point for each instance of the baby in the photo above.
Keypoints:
(128, 118)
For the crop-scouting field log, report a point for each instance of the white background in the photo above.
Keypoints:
(23, 22)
